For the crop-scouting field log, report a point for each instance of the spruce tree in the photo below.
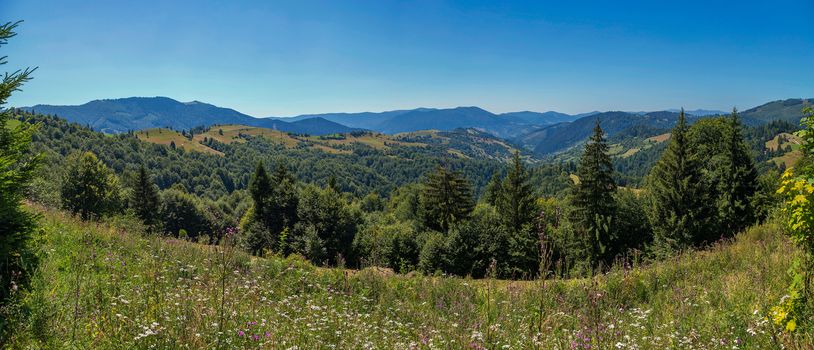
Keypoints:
(592, 200)
(493, 189)
(516, 200)
(738, 181)
(275, 206)
(284, 200)
(17, 166)
(260, 189)
(144, 199)
(446, 199)
(516, 207)
(678, 211)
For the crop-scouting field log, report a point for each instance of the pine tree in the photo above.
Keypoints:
(493, 189)
(516, 200)
(516, 206)
(144, 199)
(17, 167)
(284, 200)
(738, 181)
(275, 205)
(260, 189)
(678, 210)
(89, 188)
(593, 202)
(446, 199)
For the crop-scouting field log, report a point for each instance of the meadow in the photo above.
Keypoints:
(101, 286)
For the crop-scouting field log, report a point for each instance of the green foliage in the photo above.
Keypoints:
(592, 199)
(17, 168)
(680, 212)
(388, 242)
(433, 257)
(728, 172)
(274, 207)
(633, 230)
(738, 182)
(182, 211)
(99, 286)
(144, 199)
(515, 199)
(446, 199)
(326, 225)
(90, 189)
(796, 310)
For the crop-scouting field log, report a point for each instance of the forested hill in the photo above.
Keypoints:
(136, 113)
(215, 162)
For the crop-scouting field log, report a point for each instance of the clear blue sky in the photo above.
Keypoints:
(285, 58)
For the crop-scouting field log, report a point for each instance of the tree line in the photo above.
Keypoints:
(703, 188)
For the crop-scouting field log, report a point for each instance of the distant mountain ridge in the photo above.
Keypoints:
(790, 110)
(699, 112)
(138, 113)
(542, 132)
(506, 125)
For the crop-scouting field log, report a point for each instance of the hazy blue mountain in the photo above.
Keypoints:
(136, 113)
(562, 136)
(700, 112)
(505, 125)
(789, 110)
(362, 120)
(455, 118)
(544, 118)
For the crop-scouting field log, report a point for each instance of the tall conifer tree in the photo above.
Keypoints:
(516, 207)
(593, 202)
(17, 166)
(144, 199)
(446, 199)
(516, 200)
(739, 181)
(678, 203)
(260, 189)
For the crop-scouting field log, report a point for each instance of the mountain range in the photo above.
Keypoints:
(542, 132)
(137, 113)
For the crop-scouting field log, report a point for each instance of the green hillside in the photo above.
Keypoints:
(788, 110)
(104, 287)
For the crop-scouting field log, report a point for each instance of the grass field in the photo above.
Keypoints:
(102, 287)
(659, 138)
(789, 139)
(165, 137)
(12, 123)
(231, 133)
(789, 159)
(374, 140)
(630, 152)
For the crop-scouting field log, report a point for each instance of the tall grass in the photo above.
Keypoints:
(101, 287)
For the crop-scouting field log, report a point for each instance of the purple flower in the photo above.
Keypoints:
(241, 333)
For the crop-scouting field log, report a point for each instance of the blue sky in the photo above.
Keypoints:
(285, 58)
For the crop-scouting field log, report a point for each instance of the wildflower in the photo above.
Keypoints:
(791, 325)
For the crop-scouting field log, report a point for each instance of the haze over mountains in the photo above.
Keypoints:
(542, 132)
(137, 113)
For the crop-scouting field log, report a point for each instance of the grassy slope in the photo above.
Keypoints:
(231, 133)
(792, 144)
(165, 137)
(102, 287)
